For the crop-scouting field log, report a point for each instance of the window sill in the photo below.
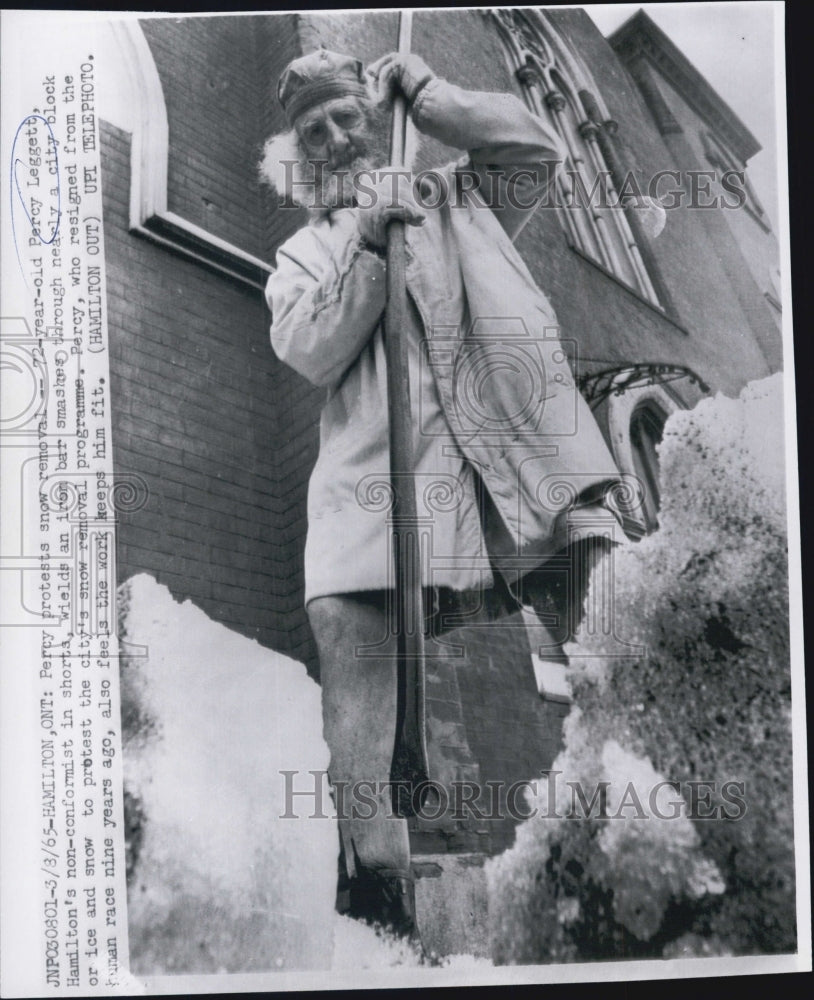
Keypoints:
(658, 310)
(175, 233)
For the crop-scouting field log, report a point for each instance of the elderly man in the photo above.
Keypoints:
(507, 456)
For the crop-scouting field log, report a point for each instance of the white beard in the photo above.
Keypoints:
(338, 188)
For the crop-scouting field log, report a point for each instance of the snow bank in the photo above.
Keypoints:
(218, 881)
(708, 700)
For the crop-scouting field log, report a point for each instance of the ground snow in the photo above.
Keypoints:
(221, 882)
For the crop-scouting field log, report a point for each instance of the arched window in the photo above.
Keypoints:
(646, 430)
(135, 101)
(554, 84)
(636, 419)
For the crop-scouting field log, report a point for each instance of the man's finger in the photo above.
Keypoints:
(377, 73)
(402, 198)
(388, 78)
(375, 68)
(407, 213)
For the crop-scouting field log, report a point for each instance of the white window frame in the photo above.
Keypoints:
(149, 154)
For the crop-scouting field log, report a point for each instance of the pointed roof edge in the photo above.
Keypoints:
(640, 35)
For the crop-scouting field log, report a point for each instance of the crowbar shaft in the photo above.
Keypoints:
(410, 761)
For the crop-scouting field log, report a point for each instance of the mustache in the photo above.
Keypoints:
(288, 169)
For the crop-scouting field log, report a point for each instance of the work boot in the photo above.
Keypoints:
(385, 897)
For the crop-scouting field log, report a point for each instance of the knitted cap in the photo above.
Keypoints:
(319, 76)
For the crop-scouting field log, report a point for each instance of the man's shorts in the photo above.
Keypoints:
(556, 592)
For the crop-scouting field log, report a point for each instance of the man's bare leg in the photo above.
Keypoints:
(359, 721)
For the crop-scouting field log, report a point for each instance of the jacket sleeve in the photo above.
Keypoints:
(514, 153)
(325, 303)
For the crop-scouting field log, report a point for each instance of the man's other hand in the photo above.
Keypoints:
(407, 73)
(388, 195)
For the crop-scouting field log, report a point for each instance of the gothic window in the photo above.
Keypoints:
(636, 421)
(554, 85)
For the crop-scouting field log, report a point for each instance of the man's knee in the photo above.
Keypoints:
(351, 630)
(358, 678)
(325, 614)
(342, 614)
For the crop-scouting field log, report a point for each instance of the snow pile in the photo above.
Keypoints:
(218, 881)
(706, 700)
(359, 947)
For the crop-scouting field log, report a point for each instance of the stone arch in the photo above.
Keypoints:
(621, 413)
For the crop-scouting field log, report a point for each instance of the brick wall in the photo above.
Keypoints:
(513, 734)
(223, 434)
(191, 374)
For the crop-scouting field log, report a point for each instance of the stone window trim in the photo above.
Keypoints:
(663, 314)
(646, 430)
(719, 156)
(556, 86)
(621, 412)
(149, 153)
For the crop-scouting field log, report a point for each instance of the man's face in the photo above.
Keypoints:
(345, 137)
(336, 132)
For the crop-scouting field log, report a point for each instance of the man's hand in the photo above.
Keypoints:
(388, 196)
(406, 73)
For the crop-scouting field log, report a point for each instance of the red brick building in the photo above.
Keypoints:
(224, 436)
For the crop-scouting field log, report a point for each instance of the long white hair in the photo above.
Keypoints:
(278, 152)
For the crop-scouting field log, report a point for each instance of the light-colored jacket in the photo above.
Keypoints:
(493, 397)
